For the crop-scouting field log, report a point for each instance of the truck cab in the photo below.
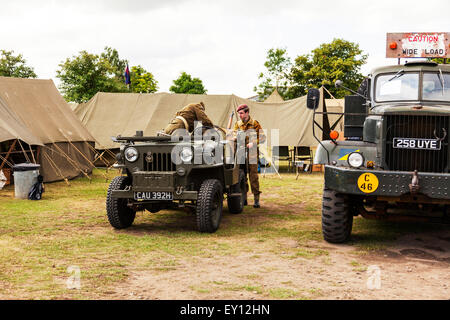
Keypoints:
(394, 160)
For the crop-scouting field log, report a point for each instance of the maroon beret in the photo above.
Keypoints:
(242, 107)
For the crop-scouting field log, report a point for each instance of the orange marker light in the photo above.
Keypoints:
(334, 135)
(393, 45)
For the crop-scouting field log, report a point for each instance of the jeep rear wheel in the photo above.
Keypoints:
(209, 206)
(337, 219)
(120, 216)
(236, 203)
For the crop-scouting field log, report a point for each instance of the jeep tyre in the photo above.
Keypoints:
(209, 206)
(120, 216)
(236, 204)
(337, 219)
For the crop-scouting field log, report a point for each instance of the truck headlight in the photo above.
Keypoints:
(355, 159)
(131, 154)
(186, 155)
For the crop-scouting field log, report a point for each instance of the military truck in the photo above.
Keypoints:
(160, 172)
(394, 160)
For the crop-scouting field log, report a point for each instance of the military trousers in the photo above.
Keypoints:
(173, 125)
(253, 177)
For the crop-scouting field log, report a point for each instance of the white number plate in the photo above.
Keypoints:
(416, 143)
(153, 195)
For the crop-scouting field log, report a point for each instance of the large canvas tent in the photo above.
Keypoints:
(287, 123)
(34, 116)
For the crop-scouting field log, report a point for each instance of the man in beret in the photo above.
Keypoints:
(185, 118)
(255, 131)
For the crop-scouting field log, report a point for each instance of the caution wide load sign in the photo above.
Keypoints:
(418, 45)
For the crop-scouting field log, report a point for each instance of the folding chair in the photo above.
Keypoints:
(281, 153)
(303, 156)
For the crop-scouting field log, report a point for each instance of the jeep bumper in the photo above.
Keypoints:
(144, 181)
(385, 183)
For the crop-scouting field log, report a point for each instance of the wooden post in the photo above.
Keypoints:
(7, 155)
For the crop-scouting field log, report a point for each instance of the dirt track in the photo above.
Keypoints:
(415, 267)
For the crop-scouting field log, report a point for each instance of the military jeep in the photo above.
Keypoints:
(394, 160)
(178, 171)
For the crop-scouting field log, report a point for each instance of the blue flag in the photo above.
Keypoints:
(127, 75)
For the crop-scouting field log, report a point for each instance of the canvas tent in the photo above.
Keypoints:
(35, 121)
(111, 114)
(335, 106)
(274, 97)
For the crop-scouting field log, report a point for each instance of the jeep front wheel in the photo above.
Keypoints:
(120, 216)
(337, 219)
(209, 206)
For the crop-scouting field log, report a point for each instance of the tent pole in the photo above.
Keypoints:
(56, 169)
(24, 152)
(5, 160)
(328, 92)
(70, 161)
(32, 154)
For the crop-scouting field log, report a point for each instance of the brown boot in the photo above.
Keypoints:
(256, 204)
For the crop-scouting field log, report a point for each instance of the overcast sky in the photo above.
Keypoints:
(223, 42)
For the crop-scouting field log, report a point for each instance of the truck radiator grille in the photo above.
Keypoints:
(161, 162)
(420, 126)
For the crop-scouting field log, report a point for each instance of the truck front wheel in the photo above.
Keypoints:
(209, 206)
(120, 216)
(337, 219)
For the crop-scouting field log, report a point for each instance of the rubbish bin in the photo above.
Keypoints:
(25, 175)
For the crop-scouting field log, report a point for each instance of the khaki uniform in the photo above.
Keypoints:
(186, 116)
(251, 161)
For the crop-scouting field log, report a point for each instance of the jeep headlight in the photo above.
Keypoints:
(131, 154)
(186, 155)
(355, 159)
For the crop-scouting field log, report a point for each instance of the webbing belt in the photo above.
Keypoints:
(186, 126)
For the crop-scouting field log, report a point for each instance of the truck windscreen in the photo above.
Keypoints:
(436, 86)
(402, 86)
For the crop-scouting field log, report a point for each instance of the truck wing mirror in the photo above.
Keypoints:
(312, 99)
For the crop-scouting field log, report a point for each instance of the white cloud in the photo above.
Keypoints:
(224, 43)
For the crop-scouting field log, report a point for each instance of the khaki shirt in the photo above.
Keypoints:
(194, 112)
(251, 124)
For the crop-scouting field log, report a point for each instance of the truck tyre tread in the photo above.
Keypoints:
(337, 219)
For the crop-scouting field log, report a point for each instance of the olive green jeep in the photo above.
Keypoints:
(177, 171)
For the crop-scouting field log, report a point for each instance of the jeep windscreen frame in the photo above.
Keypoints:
(400, 86)
(436, 86)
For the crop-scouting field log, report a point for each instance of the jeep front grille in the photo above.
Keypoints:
(160, 162)
(417, 126)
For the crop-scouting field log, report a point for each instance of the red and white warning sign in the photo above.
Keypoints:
(418, 45)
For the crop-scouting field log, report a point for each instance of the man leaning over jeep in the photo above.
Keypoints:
(185, 118)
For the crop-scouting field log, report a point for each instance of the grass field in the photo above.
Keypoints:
(40, 240)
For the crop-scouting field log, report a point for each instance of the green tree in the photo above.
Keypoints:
(14, 66)
(186, 84)
(84, 75)
(339, 59)
(117, 66)
(142, 80)
(278, 66)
